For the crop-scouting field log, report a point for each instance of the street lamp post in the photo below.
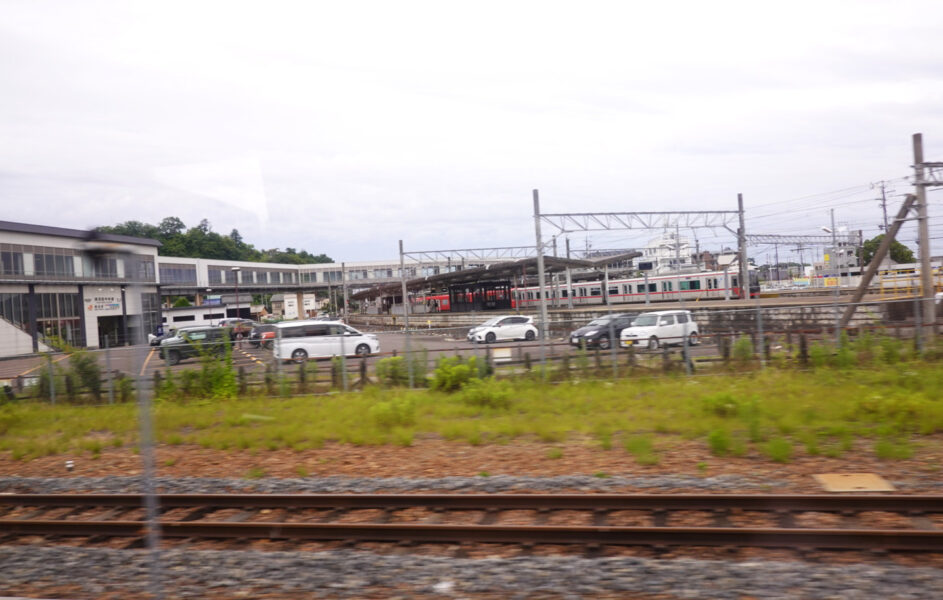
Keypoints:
(235, 275)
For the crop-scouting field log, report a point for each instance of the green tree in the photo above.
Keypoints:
(202, 242)
(171, 226)
(899, 252)
(133, 229)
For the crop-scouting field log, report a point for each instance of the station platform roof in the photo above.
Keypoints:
(498, 271)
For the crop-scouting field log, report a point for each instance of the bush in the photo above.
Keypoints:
(392, 371)
(722, 405)
(890, 449)
(87, 373)
(392, 413)
(719, 442)
(779, 450)
(845, 357)
(125, 387)
(890, 351)
(451, 374)
(641, 447)
(818, 355)
(743, 350)
(487, 393)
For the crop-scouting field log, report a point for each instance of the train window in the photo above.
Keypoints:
(613, 291)
(667, 286)
(716, 287)
(582, 291)
(595, 291)
(564, 293)
(693, 284)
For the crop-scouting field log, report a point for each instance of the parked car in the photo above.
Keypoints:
(661, 327)
(154, 339)
(510, 327)
(299, 341)
(597, 331)
(240, 328)
(262, 335)
(172, 332)
(194, 341)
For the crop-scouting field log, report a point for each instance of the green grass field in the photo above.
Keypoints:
(782, 413)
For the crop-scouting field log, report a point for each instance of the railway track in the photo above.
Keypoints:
(854, 522)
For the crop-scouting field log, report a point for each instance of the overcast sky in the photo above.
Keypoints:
(341, 127)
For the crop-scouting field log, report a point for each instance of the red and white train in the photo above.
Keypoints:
(686, 286)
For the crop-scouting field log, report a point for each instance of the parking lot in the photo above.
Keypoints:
(145, 360)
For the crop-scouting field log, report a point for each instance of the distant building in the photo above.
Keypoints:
(66, 284)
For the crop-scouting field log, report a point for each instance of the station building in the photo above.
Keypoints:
(85, 289)
(94, 290)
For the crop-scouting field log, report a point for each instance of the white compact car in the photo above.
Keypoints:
(660, 328)
(300, 340)
(511, 327)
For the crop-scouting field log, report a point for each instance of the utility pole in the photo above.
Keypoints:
(742, 247)
(801, 264)
(569, 278)
(402, 278)
(838, 283)
(923, 224)
(884, 204)
(542, 286)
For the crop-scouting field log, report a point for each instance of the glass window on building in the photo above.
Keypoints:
(14, 308)
(11, 261)
(54, 262)
(139, 268)
(175, 273)
(58, 317)
(105, 267)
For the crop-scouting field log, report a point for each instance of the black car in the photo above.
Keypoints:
(262, 335)
(194, 341)
(597, 332)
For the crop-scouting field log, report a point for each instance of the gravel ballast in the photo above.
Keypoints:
(349, 573)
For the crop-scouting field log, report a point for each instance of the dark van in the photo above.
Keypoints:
(194, 341)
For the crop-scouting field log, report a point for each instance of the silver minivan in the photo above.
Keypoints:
(662, 327)
(300, 340)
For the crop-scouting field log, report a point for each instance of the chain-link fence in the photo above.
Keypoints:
(594, 342)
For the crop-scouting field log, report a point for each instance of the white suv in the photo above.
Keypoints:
(661, 327)
(512, 327)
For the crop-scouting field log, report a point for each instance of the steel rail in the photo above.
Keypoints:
(883, 539)
(754, 502)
